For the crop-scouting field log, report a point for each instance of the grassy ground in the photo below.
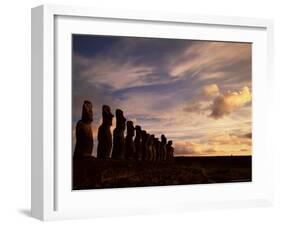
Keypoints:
(92, 173)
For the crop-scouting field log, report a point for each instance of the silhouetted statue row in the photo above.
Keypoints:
(137, 145)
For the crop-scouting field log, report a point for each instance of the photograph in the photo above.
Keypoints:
(151, 111)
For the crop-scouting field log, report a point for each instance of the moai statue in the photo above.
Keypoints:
(143, 142)
(118, 151)
(129, 141)
(138, 144)
(170, 150)
(104, 134)
(153, 148)
(157, 148)
(84, 136)
(148, 148)
(163, 147)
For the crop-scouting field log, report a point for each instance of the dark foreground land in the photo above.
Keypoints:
(92, 173)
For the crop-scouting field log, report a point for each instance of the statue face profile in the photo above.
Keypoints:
(143, 134)
(87, 111)
(163, 139)
(107, 116)
(130, 128)
(120, 119)
(138, 130)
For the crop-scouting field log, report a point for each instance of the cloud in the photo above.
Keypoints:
(187, 148)
(202, 56)
(230, 139)
(211, 151)
(104, 70)
(226, 103)
(211, 90)
(194, 107)
(248, 135)
(218, 144)
(200, 103)
(193, 148)
(244, 150)
(208, 76)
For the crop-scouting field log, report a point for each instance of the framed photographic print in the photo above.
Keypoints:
(137, 112)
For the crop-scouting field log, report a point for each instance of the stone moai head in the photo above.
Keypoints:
(87, 112)
(130, 129)
(143, 135)
(163, 139)
(156, 140)
(138, 130)
(152, 138)
(120, 119)
(107, 116)
(170, 142)
(148, 137)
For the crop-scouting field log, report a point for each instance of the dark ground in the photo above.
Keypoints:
(92, 173)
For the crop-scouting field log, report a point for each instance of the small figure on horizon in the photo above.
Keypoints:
(104, 134)
(84, 136)
(170, 150)
(129, 141)
(138, 144)
(118, 151)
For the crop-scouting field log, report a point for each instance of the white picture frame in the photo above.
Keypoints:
(52, 197)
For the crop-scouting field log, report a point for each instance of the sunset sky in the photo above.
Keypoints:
(197, 93)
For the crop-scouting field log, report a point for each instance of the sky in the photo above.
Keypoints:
(197, 93)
